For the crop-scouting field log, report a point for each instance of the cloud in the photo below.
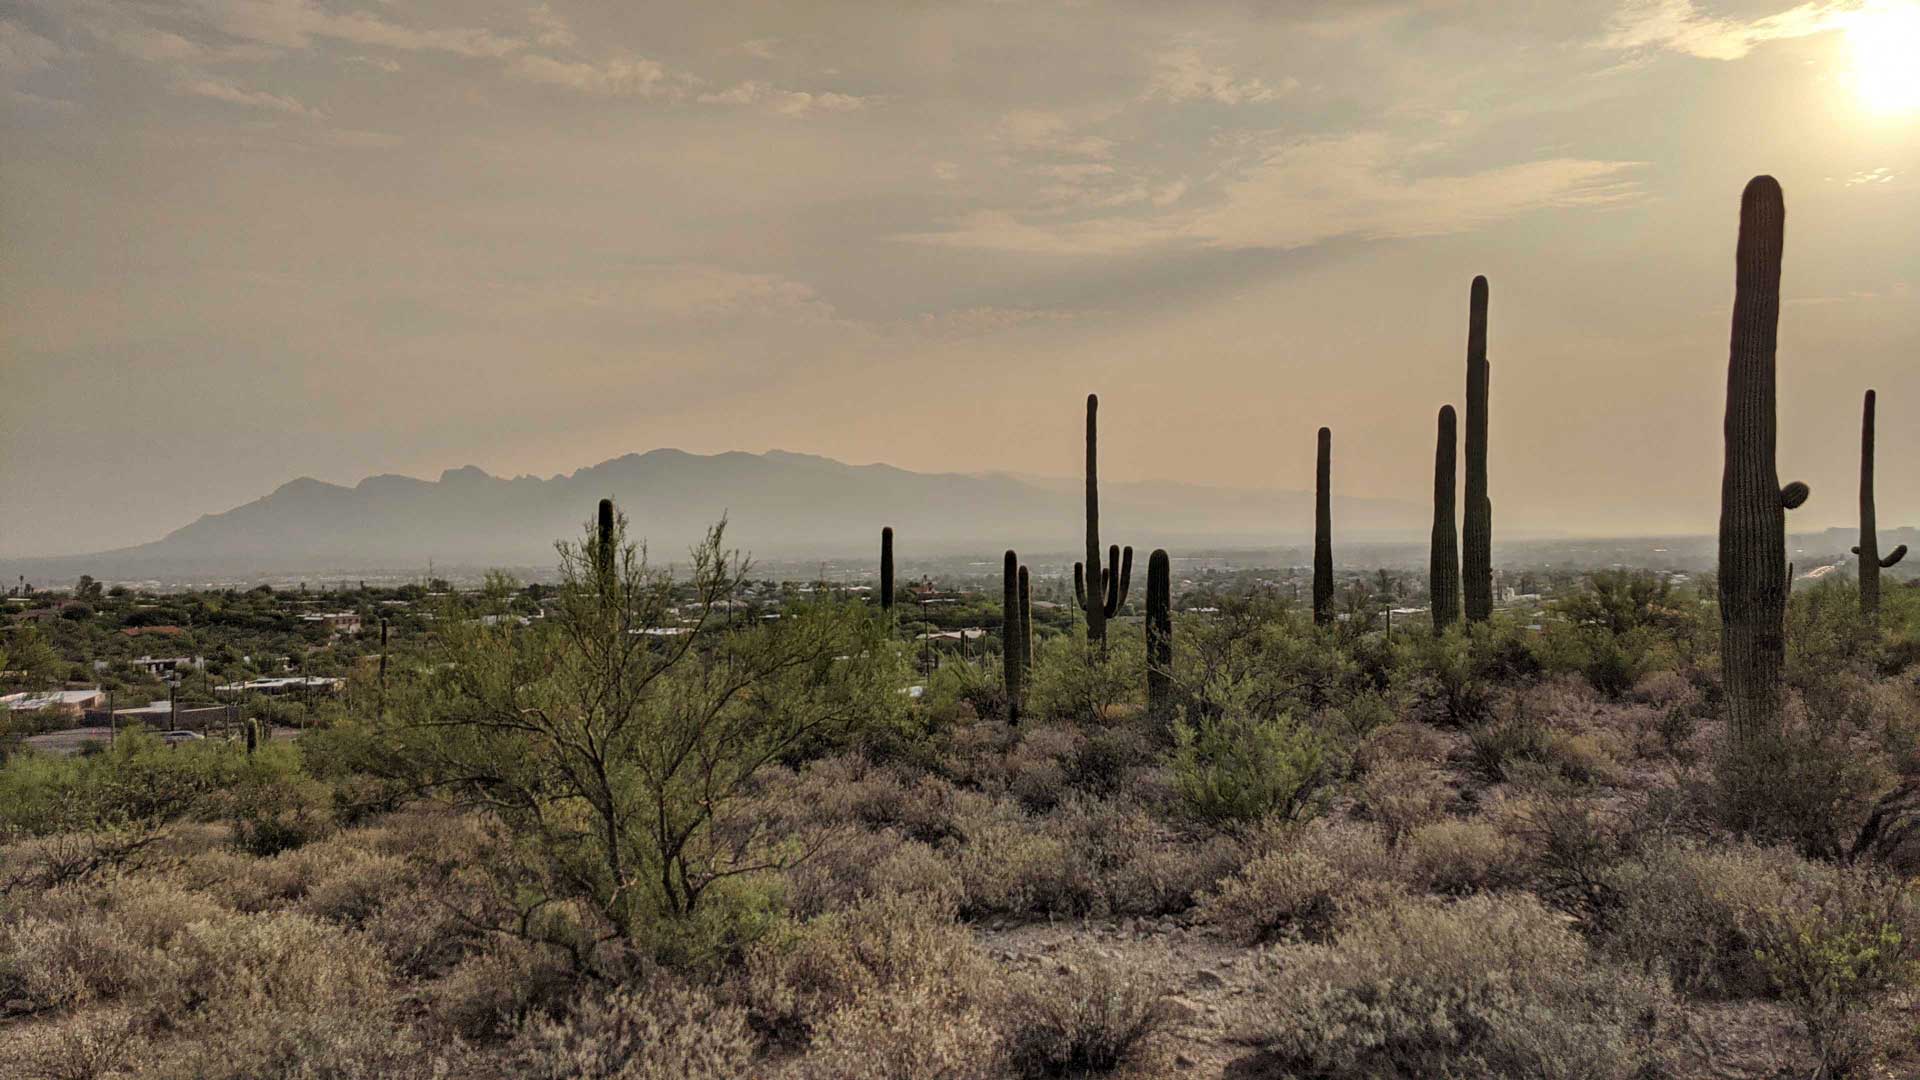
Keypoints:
(23, 51)
(553, 29)
(293, 24)
(619, 77)
(1050, 132)
(1306, 192)
(784, 102)
(759, 48)
(222, 90)
(1679, 26)
(1181, 75)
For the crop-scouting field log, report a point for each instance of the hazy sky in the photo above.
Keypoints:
(248, 240)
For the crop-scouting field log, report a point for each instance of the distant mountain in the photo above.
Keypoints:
(779, 505)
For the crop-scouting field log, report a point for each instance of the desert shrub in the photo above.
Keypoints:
(657, 1033)
(1485, 987)
(1683, 909)
(1313, 878)
(1234, 770)
(1403, 795)
(497, 988)
(1518, 735)
(1447, 677)
(1400, 741)
(1810, 784)
(1076, 682)
(873, 949)
(1118, 860)
(1100, 764)
(70, 962)
(849, 865)
(1093, 1017)
(90, 1045)
(1459, 855)
(1008, 864)
(911, 1033)
(1569, 846)
(1832, 951)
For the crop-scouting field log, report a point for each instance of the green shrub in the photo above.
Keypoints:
(1832, 951)
(1234, 770)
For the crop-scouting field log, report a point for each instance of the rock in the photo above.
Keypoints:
(1891, 836)
(1208, 979)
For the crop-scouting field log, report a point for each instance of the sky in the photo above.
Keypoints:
(250, 240)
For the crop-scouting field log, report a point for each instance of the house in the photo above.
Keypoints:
(293, 684)
(71, 703)
(336, 622)
(165, 667)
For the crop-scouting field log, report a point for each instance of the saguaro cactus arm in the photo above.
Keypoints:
(1118, 584)
(1893, 557)
(1794, 495)
(1080, 585)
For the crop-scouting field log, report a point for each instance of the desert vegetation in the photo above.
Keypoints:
(1664, 830)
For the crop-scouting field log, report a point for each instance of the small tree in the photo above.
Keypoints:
(617, 735)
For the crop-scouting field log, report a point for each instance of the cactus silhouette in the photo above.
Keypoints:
(1012, 636)
(1476, 527)
(603, 553)
(1753, 544)
(1443, 574)
(1026, 628)
(1159, 634)
(886, 568)
(1322, 532)
(1100, 591)
(1869, 550)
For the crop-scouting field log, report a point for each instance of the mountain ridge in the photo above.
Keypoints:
(779, 504)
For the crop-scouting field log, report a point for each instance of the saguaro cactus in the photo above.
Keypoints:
(1869, 550)
(1322, 532)
(1476, 532)
(1443, 567)
(1753, 505)
(1159, 634)
(1026, 628)
(1012, 636)
(886, 568)
(603, 553)
(1100, 591)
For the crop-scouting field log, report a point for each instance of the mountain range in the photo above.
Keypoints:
(779, 506)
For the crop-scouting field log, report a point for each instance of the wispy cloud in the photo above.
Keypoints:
(1181, 74)
(627, 76)
(222, 90)
(294, 24)
(1680, 26)
(784, 102)
(1306, 192)
(23, 51)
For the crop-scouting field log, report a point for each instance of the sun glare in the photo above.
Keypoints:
(1885, 39)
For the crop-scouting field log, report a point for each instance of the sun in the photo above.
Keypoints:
(1885, 39)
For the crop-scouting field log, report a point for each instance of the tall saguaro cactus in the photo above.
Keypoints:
(886, 568)
(1159, 634)
(603, 553)
(1869, 550)
(1443, 567)
(1026, 628)
(1476, 533)
(1322, 532)
(1100, 591)
(1012, 636)
(1753, 524)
